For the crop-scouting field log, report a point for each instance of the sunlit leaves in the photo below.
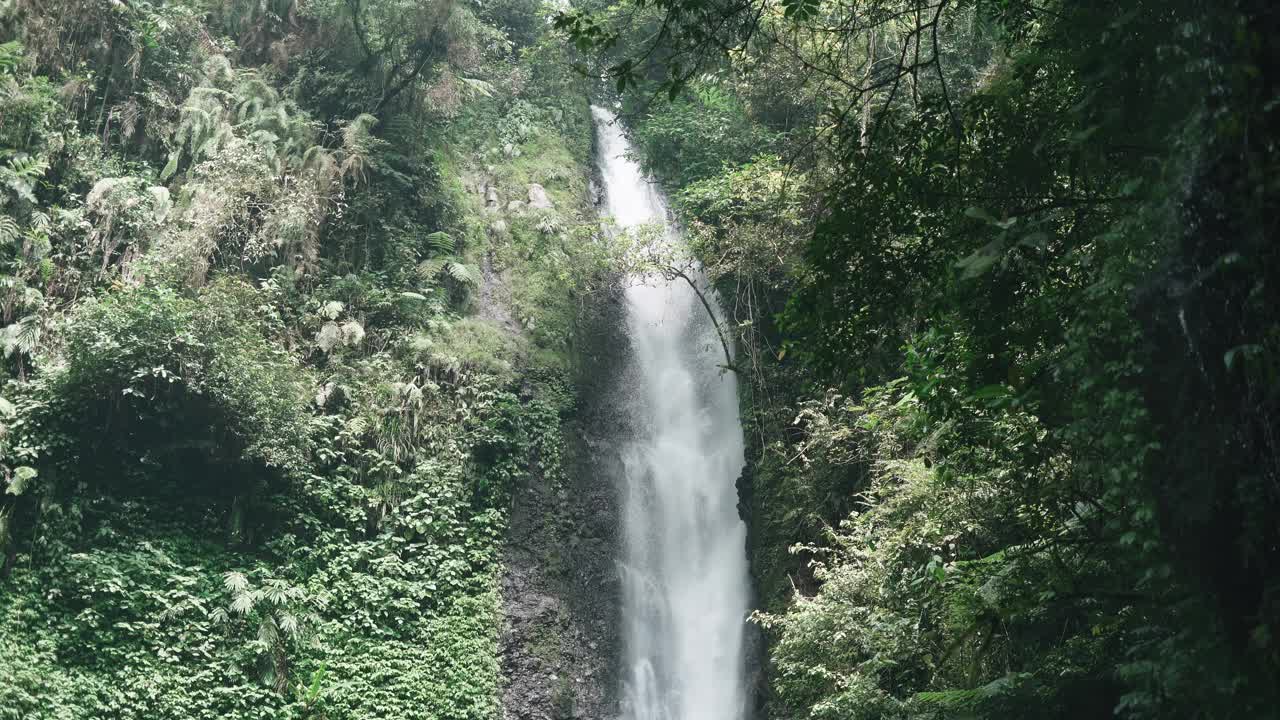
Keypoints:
(19, 479)
(441, 243)
(235, 582)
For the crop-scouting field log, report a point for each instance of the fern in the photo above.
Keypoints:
(27, 167)
(9, 230)
(446, 262)
(254, 95)
(358, 144)
(10, 57)
(441, 243)
(359, 130)
(428, 269)
(20, 175)
(463, 274)
(320, 163)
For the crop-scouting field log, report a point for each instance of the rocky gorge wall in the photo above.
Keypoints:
(559, 643)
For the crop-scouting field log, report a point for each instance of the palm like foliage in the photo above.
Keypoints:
(230, 104)
(280, 611)
(444, 261)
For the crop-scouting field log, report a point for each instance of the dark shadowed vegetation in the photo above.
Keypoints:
(1003, 281)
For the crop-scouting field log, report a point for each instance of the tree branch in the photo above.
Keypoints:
(724, 343)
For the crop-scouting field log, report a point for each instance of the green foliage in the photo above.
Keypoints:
(256, 447)
(276, 613)
(697, 135)
(466, 346)
(444, 263)
(150, 356)
(751, 219)
(1022, 237)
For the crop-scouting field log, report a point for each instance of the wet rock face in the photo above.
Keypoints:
(559, 643)
(552, 670)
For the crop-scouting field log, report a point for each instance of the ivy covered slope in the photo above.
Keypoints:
(1002, 276)
(272, 368)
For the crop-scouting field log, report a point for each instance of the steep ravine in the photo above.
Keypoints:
(570, 622)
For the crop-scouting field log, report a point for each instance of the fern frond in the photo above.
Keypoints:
(27, 167)
(355, 166)
(441, 243)
(266, 138)
(359, 129)
(218, 69)
(9, 230)
(464, 274)
(319, 161)
(430, 268)
(357, 426)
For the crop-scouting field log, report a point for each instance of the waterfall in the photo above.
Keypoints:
(683, 554)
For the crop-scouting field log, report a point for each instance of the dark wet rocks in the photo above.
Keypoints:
(559, 643)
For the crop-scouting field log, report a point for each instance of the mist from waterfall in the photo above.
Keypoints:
(683, 559)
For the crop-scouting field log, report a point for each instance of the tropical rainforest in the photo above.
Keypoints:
(297, 300)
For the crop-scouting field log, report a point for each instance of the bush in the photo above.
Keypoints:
(151, 372)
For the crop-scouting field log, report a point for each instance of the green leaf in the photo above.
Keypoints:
(235, 582)
(800, 10)
(1246, 351)
(22, 476)
(989, 392)
(462, 273)
(981, 260)
(441, 243)
(170, 167)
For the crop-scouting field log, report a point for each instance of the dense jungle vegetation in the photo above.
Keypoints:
(263, 407)
(290, 300)
(1002, 275)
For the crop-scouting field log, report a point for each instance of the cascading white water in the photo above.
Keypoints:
(684, 571)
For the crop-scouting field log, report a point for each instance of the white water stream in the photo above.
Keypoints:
(684, 570)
